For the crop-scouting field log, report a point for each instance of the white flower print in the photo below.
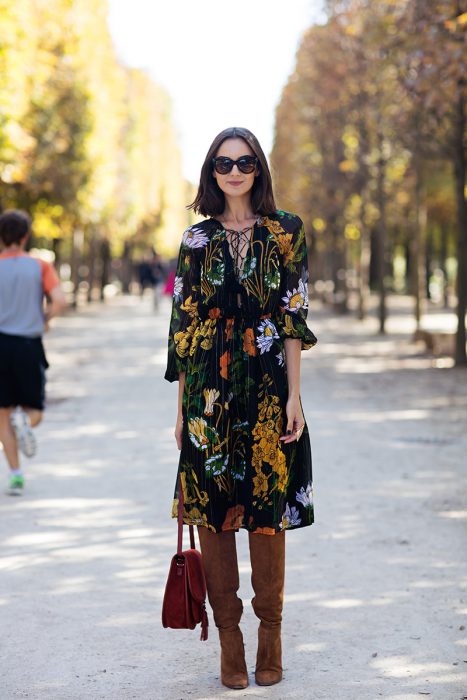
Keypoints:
(305, 497)
(280, 358)
(290, 518)
(216, 465)
(268, 334)
(210, 395)
(178, 288)
(298, 298)
(194, 237)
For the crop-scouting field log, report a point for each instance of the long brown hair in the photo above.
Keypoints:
(210, 200)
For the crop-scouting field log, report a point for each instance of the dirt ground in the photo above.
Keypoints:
(376, 590)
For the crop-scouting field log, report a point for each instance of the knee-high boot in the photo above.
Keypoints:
(267, 554)
(220, 564)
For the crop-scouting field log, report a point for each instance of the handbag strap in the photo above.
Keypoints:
(180, 522)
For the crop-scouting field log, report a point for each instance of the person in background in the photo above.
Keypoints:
(145, 275)
(170, 282)
(24, 281)
(158, 274)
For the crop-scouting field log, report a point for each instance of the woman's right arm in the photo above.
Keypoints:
(184, 317)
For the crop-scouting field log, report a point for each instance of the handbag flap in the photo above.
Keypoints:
(177, 605)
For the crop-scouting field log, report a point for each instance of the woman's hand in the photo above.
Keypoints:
(295, 420)
(178, 431)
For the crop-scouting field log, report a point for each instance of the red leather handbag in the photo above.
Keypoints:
(184, 604)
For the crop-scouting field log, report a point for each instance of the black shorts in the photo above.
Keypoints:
(22, 371)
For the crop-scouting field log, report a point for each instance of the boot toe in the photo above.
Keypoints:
(268, 677)
(236, 682)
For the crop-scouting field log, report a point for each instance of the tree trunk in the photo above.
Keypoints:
(443, 256)
(364, 272)
(91, 265)
(56, 247)
(381, 242)
(418, 254)
(408, 267)
(77, 244)
(126, 268)
(105, 266)
(428, 262)
(459, 173)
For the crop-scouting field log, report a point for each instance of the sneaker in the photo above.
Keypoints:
(25, 437)
(16, 485)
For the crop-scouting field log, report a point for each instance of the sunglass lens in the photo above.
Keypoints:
(247, 165)
(223, 165)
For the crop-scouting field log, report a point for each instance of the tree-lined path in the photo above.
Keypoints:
(376, 590)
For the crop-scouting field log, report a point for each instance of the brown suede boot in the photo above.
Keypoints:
(267, 555)
(222, 581)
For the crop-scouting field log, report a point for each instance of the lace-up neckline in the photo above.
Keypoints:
(239, 243)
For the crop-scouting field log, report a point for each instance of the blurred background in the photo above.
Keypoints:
(107, 108)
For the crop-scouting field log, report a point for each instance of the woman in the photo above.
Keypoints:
(236, 334)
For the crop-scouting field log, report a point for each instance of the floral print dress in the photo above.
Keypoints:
(227, 330)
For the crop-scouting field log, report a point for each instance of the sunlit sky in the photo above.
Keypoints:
(223, 63)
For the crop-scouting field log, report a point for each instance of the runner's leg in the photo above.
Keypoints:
(35, 416)
(8, 439)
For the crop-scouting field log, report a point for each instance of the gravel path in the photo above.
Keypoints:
(376, 590)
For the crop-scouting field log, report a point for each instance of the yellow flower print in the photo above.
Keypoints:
(260, 482)
(260, 430)
(191, 307)
(195, 517)
(210, 396)
(285, 246)
(203, 499)
(203, 332)
(256, 459)
(207, 330)
(183, 340)
(196, 428)
(187, 499)
(182, 343)
(282, 480)
(266, 448)
(288, 327)
(272, 226)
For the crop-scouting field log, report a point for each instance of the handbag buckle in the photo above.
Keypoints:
(180, 563)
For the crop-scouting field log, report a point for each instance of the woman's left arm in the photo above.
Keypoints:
(295, 417)
(291, 323)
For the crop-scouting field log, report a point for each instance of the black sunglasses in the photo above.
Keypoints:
(246, 164)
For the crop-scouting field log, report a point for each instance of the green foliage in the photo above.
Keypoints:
(80, 134)
(371, 87)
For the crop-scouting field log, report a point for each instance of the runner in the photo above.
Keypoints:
(24, 281)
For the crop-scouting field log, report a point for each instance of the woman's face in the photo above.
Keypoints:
(235, 183)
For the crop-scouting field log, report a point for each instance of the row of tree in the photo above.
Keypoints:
(370, 145)
(82, 138)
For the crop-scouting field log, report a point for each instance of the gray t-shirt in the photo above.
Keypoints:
(23, 282)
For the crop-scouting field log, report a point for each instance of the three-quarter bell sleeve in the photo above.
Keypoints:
(293, 306)
(184, 317)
